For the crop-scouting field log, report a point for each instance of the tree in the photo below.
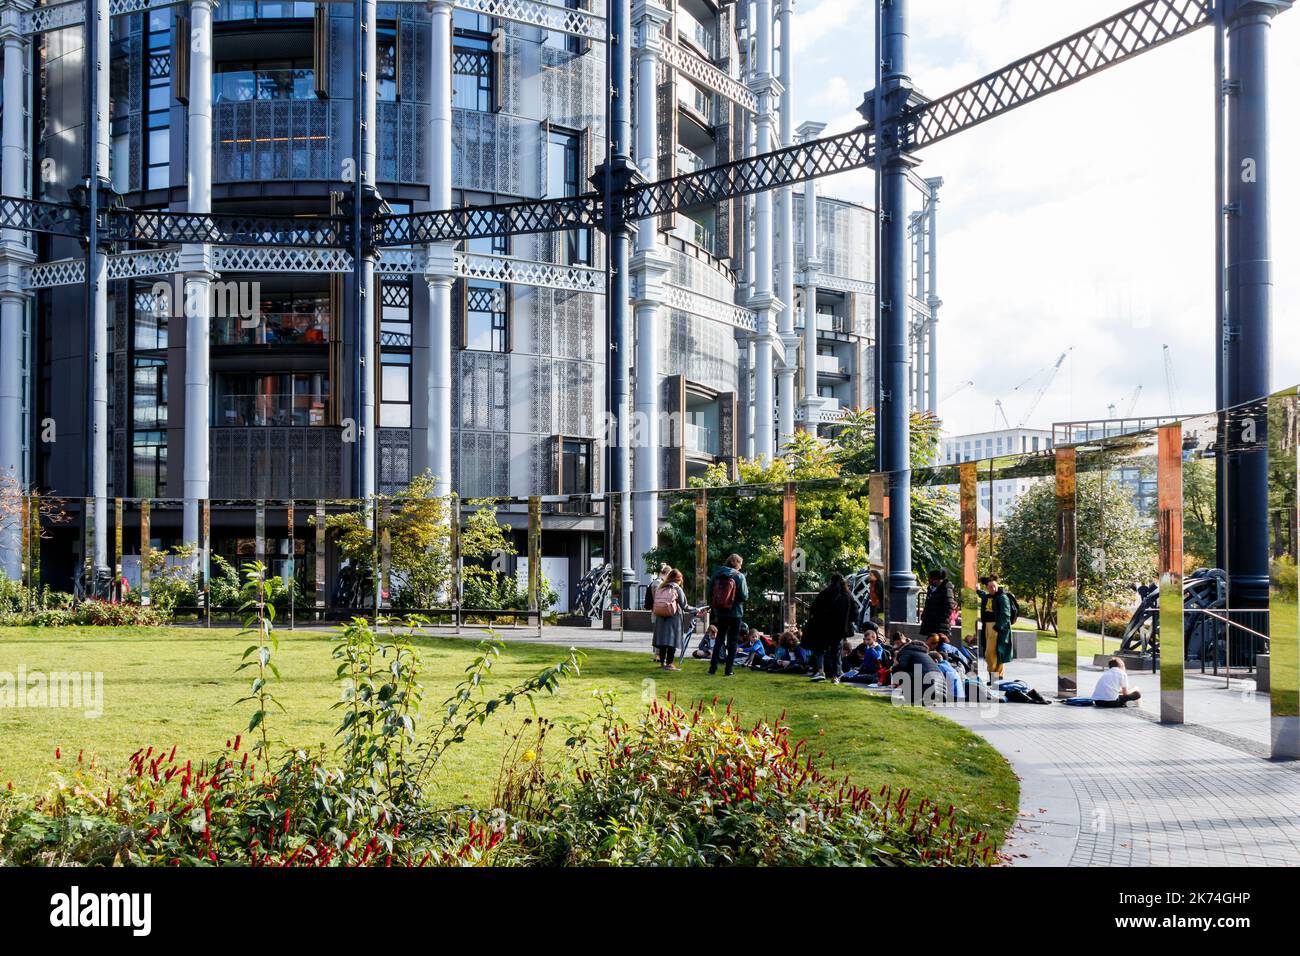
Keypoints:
(1199, 509)
(833, 523)
(1116, 548)
(418, 523)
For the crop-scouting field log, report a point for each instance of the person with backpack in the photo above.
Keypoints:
(940, 603)
(728, 592)
(669, 610)
(1003, 609)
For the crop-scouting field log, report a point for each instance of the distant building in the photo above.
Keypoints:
(997, 500)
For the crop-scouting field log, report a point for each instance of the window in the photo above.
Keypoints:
(270, 398)
(395, 313)
(563, 178)
(472, 79)
(386, 64)
(239, 81)
(158, 131)
(575, 467)
(149, 464)
(149, 393)
(487, 325)
(395, 391)
(570, 43)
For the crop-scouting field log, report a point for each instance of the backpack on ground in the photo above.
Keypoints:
(665, 603)
(723, 595)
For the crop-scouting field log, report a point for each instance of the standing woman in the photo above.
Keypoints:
(875, 596)
(670, 610)
(940, 602)
(830, 621)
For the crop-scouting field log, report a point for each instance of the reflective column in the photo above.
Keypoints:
(1284, 598)
(1067, 564)
(1169, 501)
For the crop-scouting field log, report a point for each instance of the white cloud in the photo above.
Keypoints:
(1082, 221)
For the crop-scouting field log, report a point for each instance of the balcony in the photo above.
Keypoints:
(829, 364)
(277, 463)
(272, 328)
(268, 410)
(232, 10)
(699, 440)
(259, 140)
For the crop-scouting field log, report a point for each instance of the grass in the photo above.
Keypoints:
(166, 686)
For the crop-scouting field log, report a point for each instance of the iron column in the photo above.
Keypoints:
(1249, 280)
(786, 399)
(892, 165)
(615, 171)
(97, 186)
(812, 262)
(932, 300)
(650, 267)
(196, 268)
(14, 255)
(440, 262)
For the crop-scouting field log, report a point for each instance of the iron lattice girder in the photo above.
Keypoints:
(34, 215)
(1143, 26)
(1135, 30)
(228, 229)
(783, 167)
(474, 222)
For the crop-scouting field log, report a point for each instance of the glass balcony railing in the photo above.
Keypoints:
(268, 409)
(699, 439)
(272, 328)
(829, 364)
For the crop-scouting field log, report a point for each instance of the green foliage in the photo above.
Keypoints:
(832, 523)
(226, 590)
(259, 620)
(704, 788)
(1116, 549)
(1199, 509)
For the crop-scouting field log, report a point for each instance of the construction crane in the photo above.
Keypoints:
(1171, 387)
(958, 390)
(1038, 395)
(1132, 402)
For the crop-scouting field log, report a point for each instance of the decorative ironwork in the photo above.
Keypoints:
(704, 72)
(580, 23)
(1141, 27)
(145, 262)
(47, 275)
(528, 272)
(792, 164)
(677, 297)
(34, 215)
(281, 259)
(180, 227)
(473, 222)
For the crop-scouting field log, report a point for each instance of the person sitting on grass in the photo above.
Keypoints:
(1112, 687)
(865, 661)
(789, 658)
(705, 648)
(750, 649)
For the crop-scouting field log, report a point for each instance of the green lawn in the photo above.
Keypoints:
(168, 686)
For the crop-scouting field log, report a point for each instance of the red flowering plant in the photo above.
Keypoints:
(366, 802)
(703, 787)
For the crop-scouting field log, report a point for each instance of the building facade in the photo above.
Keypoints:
(485, 362)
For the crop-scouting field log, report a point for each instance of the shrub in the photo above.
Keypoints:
(1117, 619)
(703, 788)
(118, 614)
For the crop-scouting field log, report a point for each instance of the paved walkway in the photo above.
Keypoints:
(1116, 788)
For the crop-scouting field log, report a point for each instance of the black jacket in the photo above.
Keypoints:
(830, 619)
(911, 656)
(936, 616)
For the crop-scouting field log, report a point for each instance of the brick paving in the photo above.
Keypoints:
(1116, 788)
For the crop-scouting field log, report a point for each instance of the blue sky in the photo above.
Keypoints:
(1082, 222)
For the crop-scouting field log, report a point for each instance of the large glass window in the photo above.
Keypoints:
(158, 132)
(258, 399)
(386, 63)
(293, 312)
(487, 324)
(149, 393)
(149, 464)
(575, 467)
(472, 71)
(564, 178)
(238, 81)
(395, 391)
